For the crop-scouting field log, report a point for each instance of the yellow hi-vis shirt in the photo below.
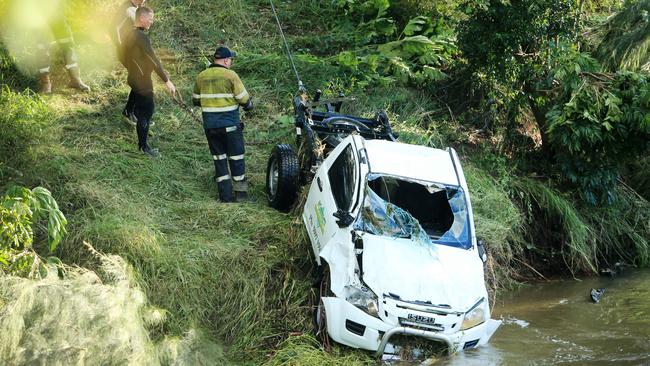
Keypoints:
(219, 92)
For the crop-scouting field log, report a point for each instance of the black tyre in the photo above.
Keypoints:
(282, 174)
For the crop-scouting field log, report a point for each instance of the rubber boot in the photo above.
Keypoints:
(241, 196)
(44, 84)
(75, 80)
(241, 190)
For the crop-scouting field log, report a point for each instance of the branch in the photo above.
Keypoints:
(531, 268)
(604, 77)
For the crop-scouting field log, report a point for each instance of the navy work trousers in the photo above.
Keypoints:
(227, 149)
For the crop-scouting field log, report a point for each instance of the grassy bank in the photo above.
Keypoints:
(234, 280)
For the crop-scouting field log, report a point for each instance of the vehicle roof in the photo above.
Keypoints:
(411, 161)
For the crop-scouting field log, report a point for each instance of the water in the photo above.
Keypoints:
(556, 323)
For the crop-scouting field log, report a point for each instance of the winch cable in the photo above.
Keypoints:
(187, 109)
(301, 87)
(190, 111)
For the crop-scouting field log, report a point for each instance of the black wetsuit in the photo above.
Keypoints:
(141, 61)
(121, 26)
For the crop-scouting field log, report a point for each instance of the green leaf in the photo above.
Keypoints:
(415, 25)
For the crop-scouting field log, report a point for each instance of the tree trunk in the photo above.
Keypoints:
(540, 118)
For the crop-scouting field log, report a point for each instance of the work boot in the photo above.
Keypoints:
(153, 153)
(44, 84)
(241, 196)
(75, 80)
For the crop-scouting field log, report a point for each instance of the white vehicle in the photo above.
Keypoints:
(391, 225)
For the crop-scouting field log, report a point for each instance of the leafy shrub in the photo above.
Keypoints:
(600, 123)
(418, 54)
(20, 210)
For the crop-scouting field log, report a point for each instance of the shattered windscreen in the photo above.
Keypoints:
(423, 213)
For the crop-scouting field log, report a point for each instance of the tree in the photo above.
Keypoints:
(508, 42)
(591, 123)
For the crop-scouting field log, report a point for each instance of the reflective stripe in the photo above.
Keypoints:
(298, 131)
(219, 157)
(222, 178)
(71, 66)
(238, 177)
(212, 96)
(231, 128)
(236, 157)
(45, 70)
(220, 109)
(241, 95)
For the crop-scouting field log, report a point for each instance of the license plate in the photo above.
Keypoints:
(421, 319)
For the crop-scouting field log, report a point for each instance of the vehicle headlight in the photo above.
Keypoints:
(474, 317)
(363, 298)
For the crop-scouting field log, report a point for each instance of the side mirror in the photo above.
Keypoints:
(344, 218)
(482, 252)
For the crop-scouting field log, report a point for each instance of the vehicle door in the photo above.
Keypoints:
(335, 188)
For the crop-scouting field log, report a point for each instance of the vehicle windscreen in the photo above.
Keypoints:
(430, 213)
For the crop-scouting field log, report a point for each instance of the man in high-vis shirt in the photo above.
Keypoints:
(60, 40)
(220, 92)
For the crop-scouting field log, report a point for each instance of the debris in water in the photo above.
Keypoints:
(596, 294)
(519, 322)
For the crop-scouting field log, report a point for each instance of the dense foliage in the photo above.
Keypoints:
(591, 124)
(626, 40)
(415, 52)
(21, 210)
(598, 127)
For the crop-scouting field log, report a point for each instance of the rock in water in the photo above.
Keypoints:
(597, 294)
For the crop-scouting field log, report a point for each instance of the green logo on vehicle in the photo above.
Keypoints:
(320, 216)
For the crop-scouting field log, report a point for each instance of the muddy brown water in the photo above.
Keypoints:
(556, 323)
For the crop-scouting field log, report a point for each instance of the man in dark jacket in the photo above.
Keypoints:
(219, 92)
(121, 26)
(141, 61)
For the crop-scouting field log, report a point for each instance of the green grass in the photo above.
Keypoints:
(235, 279)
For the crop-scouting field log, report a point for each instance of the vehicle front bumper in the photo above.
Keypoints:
(376, 333)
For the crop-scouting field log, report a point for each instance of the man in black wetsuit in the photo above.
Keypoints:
(140, 62)
(122, 25)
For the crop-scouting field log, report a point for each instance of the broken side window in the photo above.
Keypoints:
(401, 208)
(342, 178)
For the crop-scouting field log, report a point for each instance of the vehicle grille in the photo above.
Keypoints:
(414, 314)
(423, 326)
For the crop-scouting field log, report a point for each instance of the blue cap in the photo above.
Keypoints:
(224, 52)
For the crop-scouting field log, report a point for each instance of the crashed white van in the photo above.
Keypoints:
(392, 226)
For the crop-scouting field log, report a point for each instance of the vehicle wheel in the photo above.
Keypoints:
(320, 317)
(282, 177)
